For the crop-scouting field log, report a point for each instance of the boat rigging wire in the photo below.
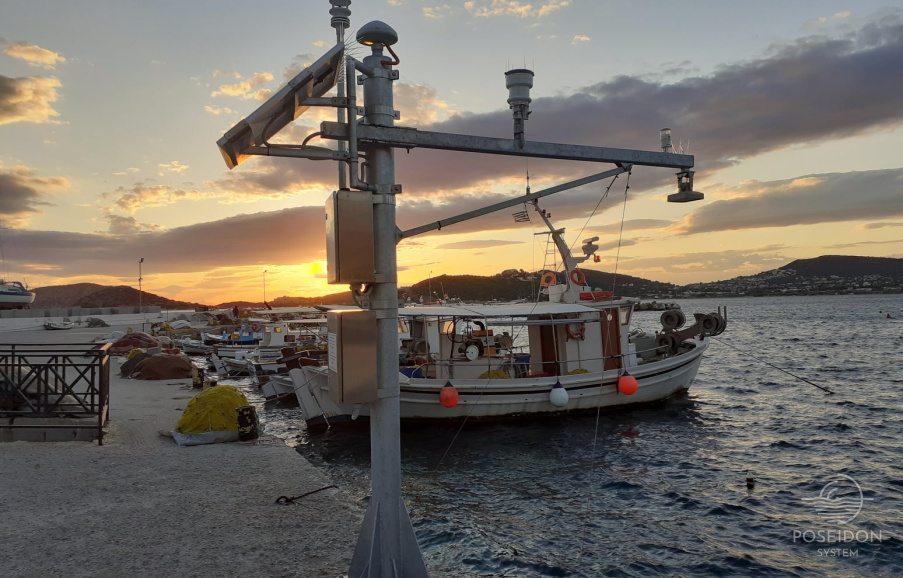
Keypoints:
(825, 389)
(607, 330)
(596, 208)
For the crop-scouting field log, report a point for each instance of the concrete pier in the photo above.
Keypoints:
(142, 506)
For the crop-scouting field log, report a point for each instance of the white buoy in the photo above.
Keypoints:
(558, 396)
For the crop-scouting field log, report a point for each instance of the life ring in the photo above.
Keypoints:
(548, 278)
(579, 334)
(578, 277)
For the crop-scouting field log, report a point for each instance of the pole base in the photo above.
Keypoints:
(394, 555)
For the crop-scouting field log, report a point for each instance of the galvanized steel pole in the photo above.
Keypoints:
(387, 546)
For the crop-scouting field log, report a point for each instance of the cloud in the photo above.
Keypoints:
(173, 167)
(28, 99)
(477, 244)
(420, 103)
(34, 55)
(219, 110)
(247, 88)
(742, 110)
(632, 225)
(126, 172)
(682, 268)
(140, 196)
(22, 193)
(580, 39)
(863, 244)
(120, 225)
(809, 200)
(278, 237)
(738, 111)
(437, 12)
(880, 225)
(492, 8)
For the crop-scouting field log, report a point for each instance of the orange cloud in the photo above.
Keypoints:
(34, 55)
(28, 99)
(248, 88)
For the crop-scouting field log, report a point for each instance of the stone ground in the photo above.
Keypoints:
(139, 505)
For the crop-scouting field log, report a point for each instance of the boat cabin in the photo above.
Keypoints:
(522, 340)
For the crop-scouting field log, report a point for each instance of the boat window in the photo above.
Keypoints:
(417, 329)
(402, 325)
(625, 314)
(277, 330)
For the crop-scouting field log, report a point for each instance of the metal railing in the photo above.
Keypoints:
(55, 382)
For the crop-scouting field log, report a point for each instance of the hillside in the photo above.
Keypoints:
(845, 266)
(519, 284)
(93, 295)
(826, 274)
(829, 274)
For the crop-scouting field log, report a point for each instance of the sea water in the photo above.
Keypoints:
(663, 490)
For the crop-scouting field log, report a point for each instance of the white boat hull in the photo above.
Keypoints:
(489, 398)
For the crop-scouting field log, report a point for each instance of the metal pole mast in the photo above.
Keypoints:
(140, 294)
(387, 546)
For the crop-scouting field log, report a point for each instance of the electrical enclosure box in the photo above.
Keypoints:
(349, 238)
(352, 356)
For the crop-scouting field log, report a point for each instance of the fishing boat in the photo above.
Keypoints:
(573, 352)
(14, 295)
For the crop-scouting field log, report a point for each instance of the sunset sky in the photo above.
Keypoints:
(110, 112)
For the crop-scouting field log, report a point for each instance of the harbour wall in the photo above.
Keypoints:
(74, 312)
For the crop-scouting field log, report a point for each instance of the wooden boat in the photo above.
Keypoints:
(574, 352)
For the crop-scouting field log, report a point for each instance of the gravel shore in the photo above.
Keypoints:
(139, 505)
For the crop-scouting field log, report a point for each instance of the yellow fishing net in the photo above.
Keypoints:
(212, 410)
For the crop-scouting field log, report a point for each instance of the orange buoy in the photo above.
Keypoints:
(448, 395)
(548, 279)
(627, 384)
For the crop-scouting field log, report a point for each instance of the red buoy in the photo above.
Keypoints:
(627, 384)
(448, 396)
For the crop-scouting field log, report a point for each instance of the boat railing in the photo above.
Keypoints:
(55, 386)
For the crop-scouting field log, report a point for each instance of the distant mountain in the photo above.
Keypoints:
(518, 284)
(826, 274)
(93, 295)
(63, 295)
(846, 266)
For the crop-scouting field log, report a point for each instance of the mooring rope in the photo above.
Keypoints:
(825, 389)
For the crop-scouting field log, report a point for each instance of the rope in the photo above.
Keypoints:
(596, 208)
(607, 338)
(775, 366)
(292, 500)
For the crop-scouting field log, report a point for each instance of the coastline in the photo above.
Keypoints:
(142, 506)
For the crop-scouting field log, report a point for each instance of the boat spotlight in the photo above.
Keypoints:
(685, 192)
